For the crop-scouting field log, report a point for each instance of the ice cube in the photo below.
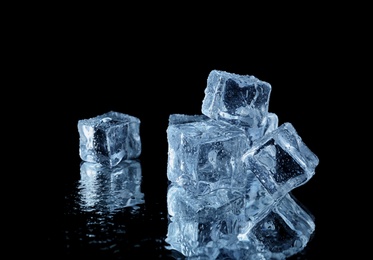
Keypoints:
(238, 99)
(281, 160)
(109, 138)
(205, 150)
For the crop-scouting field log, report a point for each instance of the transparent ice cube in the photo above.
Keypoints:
(205, 151)
(280, 160)
(109, 138)
(238, 99)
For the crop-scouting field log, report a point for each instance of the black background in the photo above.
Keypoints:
(80, 70)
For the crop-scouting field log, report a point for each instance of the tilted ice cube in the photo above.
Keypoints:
(280, 160)
(205, 151)
(109, 138)
(237, 99)
(104, 188)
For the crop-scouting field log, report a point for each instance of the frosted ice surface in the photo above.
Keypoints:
(109, 138)
(107, 189)
(238, 99)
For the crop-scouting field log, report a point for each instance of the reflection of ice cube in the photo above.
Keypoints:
(198, 230)
(207, 207)
(245, 206)
(237, 99)
(285, 231)
(109, 138)
(108, 189)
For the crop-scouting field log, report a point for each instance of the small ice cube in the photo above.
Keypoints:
(109, 138)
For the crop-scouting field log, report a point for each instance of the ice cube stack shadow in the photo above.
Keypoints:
(231, 170)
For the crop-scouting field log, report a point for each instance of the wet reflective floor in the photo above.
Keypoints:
(110, 218)
(119, 215)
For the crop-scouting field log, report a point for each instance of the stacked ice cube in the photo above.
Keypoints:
(231, 170)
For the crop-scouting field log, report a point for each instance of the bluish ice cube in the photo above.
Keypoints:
(204, 151)
(109, 138)
(237, 99)
(107, 189)
(280, 160)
